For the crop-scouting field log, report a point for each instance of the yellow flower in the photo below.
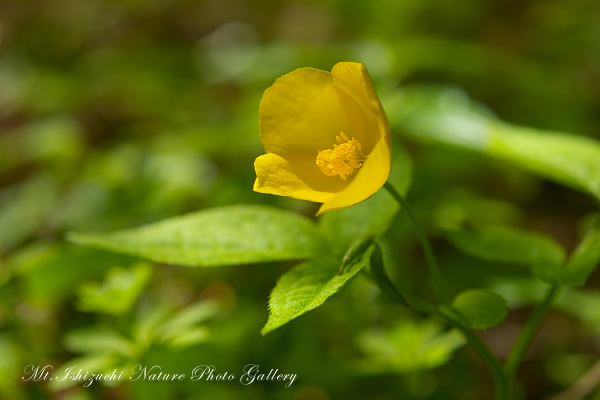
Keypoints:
(326, 136)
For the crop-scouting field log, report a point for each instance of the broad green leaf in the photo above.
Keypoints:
(448, 117)
(568, 159)
(584, 260)
(481, 308)
(117, 293)
(307, 286)
(582, 304)
(410, 346)
(513, 246)
(216, 237)
(459, 208)
(371, 217)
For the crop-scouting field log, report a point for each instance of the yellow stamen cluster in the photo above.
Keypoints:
(343, 159)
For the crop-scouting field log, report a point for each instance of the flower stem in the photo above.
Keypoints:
(500, 379)
(478, 345)
(526, 336)
(484, 353)
(434, 269)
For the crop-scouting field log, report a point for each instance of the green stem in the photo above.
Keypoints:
(484, 353)
(478, 345)
(500, 379)
(434, 268)
(526, 336)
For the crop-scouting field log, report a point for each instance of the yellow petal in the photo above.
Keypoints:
(353, 78)
(301, 112)
(356, 92)
(360, 103)
(295, 176)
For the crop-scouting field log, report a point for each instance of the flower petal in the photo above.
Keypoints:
(356, 93)
(360, 103)
(301, 112)
(294, 176)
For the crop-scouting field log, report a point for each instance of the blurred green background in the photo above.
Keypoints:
(118, 113)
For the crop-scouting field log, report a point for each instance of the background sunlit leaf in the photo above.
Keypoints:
(584, 259)
(513, 246)
(117, 293)
(409, 346)
(481, 308)
(449, 117)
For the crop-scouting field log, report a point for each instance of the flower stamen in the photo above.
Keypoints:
(343, 159)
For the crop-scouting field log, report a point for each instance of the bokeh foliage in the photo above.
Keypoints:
(119, 113)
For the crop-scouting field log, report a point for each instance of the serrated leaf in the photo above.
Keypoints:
(512, 246)
(449, 117)
(481, 308)
(216, 237)
(371, 217)
(309, 285)
(584, 259)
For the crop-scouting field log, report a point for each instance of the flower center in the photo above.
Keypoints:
(343, 159)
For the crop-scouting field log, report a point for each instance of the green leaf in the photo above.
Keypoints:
(182, 329)
(409, 346)
(568, 159)
(512, 246)
(216, 237)
(147, 325)
(481, 308)
(117, 293)
(381, 277)
(23, 209)
(98, 340)
(309, 285)
(371, 217)
(584, 259)
(189, 337)
(50, 272)
(459, 208)
(449, 117)
(92, 363)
